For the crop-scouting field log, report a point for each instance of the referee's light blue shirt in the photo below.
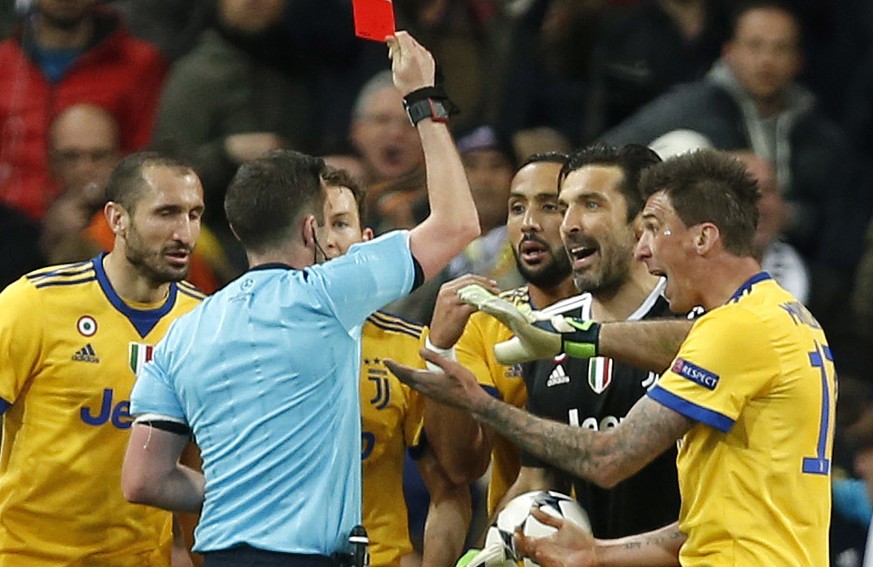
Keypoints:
(265, 373)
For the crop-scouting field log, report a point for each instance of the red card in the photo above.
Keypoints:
(374, 19)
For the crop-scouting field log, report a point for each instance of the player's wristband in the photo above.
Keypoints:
(444, 352)
(579, 338)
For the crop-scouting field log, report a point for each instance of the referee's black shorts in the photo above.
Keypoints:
(246, 556)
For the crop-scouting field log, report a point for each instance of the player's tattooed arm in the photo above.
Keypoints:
(571, 546)
(605, 458)
(651, 345)
(667, 538)
(659, 547)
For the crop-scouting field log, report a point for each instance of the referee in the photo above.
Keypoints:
(265, 373)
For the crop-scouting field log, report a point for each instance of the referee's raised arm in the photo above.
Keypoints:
(453, 221)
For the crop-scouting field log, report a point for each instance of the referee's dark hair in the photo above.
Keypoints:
(268, 195)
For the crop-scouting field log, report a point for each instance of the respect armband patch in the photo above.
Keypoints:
(696, 374)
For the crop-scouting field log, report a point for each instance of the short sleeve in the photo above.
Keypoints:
(21, 338)
(369, 276)
(722, 364)
(153, 392)
(473, 350)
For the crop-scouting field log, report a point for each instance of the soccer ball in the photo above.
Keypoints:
(517, 513)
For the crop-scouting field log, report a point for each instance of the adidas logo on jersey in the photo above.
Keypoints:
(558, 376)
(86, 354)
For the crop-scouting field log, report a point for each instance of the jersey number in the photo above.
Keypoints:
(820, 464)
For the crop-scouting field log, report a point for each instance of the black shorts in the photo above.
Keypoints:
(246, 556)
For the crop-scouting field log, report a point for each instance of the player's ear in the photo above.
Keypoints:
(309, 233)
(367, 234)
(233, 231)
(117, 217)
(706, 236)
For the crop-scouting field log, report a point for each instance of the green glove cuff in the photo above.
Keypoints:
(579, 338)
(467, 557)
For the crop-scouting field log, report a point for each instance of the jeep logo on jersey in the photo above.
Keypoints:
(139, 354)
(599, 373)
(695, 373)
(118, 413)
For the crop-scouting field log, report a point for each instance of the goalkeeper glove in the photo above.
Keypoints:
(494, 555)
(537, 335)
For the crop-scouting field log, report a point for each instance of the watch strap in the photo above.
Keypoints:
(427, 108)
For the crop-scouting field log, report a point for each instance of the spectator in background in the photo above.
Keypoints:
(547, 66)
(65, 53)
(488, 161)
(84, 146)
(643, 49)
(750, 101)
(234, 97)
(391, 152)
(489, 165)
(777, 257)
(171, 25)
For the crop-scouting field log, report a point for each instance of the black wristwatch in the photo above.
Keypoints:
(434, 109)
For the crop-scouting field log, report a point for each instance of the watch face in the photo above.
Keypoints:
(438, 112)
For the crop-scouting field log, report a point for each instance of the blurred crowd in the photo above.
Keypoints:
(218, 82)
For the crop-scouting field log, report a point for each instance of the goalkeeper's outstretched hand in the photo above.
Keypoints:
(537, 335)
(532, 342)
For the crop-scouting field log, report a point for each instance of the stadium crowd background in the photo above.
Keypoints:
(219, 86)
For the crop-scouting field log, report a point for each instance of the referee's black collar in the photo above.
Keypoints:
(272, 266)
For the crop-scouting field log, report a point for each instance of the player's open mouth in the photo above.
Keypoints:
(582, 256)
(179, 256)
(532, 252)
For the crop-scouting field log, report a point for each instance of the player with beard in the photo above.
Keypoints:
(72, 338)
(533, 226)
(599, 194)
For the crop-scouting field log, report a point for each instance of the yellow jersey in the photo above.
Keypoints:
(70, 347)
(392, 419)
(475, 351)
(757, 376)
